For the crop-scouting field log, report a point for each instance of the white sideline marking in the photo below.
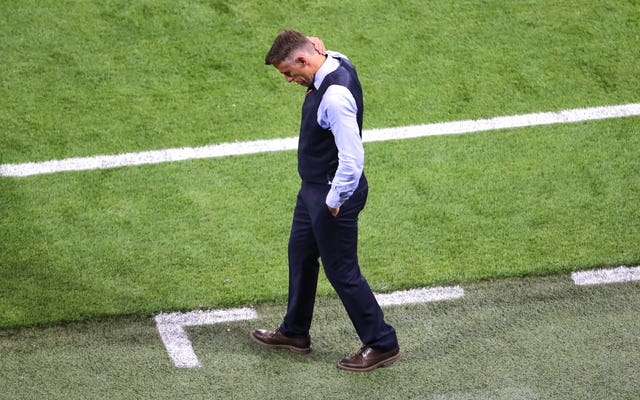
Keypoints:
(514, 121)
(603, 276)
(171, 328)
(147, 157)
(262, 146)
(423, 295)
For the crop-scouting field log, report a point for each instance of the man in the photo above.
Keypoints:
(332, 194)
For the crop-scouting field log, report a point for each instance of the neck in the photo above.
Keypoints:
(316, 61)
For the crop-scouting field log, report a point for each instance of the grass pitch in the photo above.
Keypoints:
(524, 338)
(80, 78)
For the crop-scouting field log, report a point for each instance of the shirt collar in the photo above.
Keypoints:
(329, 65)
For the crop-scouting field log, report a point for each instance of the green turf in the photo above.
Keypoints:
(213, 233)
(531, 338)
(80, 78)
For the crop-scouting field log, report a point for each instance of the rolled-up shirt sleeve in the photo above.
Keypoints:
(338, 113)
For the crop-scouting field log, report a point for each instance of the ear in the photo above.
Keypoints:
(302, 60)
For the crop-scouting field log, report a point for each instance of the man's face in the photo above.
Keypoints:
(297, 71)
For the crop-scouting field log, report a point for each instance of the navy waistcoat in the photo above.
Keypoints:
(317, 151)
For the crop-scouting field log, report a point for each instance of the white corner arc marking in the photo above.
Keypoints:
(604, 276)
(263, 146)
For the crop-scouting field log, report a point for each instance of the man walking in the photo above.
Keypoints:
(332, 194)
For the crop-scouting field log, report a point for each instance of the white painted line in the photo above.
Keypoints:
(171, 328)
(147, 157)
(261, 146)
(514, 121)
(178, 346)
(206, 317)
(603, 276)
(423, 295)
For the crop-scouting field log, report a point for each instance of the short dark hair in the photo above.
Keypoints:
(284, 45)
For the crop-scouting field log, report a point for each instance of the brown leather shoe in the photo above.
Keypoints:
(276, 340)
(368, 358)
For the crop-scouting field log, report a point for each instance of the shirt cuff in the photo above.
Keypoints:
(333, 199)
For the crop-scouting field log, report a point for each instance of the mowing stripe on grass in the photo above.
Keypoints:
(171, 326)
(603, 276)
(262, 146)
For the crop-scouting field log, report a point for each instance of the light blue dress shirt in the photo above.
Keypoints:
(338, 113)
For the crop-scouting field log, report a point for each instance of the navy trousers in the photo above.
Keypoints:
(316, 234)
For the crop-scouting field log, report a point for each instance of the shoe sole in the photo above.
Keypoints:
(299, 350)
(382, 363)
